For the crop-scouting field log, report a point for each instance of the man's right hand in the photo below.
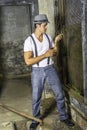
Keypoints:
(50, 53)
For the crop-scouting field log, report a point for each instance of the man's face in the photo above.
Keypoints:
(43, 27)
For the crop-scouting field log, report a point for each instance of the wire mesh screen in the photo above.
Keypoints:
(68, 20)
(74, 43)
(73, 12)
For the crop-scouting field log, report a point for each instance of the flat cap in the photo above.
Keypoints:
(41, 18)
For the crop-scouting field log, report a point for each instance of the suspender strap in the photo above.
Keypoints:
(36, 54)
(49, 47)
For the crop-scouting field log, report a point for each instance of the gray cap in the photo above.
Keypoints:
(41, 18)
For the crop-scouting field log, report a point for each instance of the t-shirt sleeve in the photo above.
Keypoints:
(28, 45)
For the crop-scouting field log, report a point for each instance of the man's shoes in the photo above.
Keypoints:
(33, 126)
(68, 122)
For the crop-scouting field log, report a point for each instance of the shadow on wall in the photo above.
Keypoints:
(1, 75)
(1, 46)
(1, 86)
(62, 63)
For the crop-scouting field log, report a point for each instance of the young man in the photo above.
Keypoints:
(39, 49)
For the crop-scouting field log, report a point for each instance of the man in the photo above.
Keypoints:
(39, 49)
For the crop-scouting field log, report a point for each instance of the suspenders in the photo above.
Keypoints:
(36, 54)
(49, 47)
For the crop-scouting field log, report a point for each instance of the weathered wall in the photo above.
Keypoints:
(14, 28)
(84, 47)
(15, 25)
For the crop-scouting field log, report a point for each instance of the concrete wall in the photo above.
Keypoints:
(14, 28)
(15, 25)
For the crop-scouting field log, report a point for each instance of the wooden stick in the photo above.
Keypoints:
(21, 113)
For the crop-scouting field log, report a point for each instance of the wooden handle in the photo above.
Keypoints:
(21, 113)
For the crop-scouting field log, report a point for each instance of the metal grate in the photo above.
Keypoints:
(73, 12)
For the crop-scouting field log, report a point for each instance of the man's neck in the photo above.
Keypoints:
(39, 35)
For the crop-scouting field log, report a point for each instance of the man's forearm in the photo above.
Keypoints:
(56, 49)
(56, 42)
(35, 60)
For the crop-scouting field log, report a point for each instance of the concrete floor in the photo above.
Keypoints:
(17, 94)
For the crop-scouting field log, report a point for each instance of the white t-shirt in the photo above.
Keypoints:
(42, 47)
